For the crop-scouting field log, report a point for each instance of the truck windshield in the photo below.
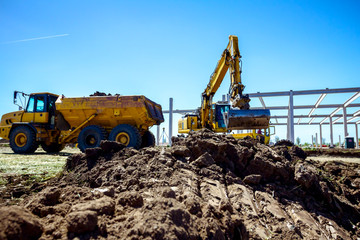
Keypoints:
(40, 104)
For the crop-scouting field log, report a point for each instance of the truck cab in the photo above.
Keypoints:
(40, 110)
(33, 124)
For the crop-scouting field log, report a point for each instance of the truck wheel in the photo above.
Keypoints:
(23, 140)
(53, 147)
(127, 135)
(148, 140)
(90, 137)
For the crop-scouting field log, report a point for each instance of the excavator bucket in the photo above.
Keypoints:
(236, 119)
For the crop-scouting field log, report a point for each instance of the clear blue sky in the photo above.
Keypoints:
(165, 49)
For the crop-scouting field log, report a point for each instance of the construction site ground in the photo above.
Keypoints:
(205, 186)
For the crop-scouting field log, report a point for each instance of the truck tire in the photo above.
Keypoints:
(148, 139)
(23, 140)
(127, 135)
(90, 137)
(53, 147)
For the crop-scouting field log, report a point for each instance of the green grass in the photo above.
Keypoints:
(39, 166)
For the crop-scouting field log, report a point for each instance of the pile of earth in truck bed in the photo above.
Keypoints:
(205, 186)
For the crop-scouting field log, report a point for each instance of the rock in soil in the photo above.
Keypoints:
(206, 186)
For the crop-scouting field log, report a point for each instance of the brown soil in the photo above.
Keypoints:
(102, 94)
(340, 152)
(206, 186)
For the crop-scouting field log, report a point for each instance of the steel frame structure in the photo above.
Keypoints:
(327, 119)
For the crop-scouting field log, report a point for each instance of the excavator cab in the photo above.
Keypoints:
(219, 111)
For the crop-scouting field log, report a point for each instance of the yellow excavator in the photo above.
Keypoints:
(220, 116)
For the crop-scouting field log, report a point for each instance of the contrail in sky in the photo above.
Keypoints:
(38, 38)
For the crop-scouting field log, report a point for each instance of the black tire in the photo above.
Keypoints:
(148, 139)
(127, 135)
(90, 137)
(23, 140)
(53, 147)
(284, 143)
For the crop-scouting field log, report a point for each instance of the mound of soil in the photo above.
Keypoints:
(206, 186)
(335, 152)
(102, 94)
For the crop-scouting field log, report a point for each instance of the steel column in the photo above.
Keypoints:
(291, 117)
(321, 143)
(357, 136)
(331, 133)
(170, 119)
(345, 123)
(312, 140)
(316, 140)
(158, 134)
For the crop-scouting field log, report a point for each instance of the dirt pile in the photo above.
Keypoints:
(335, 152)
(102, 94)
(206, 186)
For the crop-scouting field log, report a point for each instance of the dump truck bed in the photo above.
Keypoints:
(110, 111)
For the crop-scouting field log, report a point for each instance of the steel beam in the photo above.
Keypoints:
(276, 108)
(313, 116)
(307, 124)
(304, 92)
(180, 111)
(308, 106)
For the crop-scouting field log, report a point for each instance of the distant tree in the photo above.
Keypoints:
(297, 141)
(277, 139)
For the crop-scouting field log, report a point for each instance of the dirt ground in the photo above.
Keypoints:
(205, 186)
(21, 173)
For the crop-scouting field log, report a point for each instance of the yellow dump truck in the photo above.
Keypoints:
(52, 121)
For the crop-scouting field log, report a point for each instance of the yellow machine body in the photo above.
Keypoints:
(221, 117)
(110, 111)
(261, 134)
(58, 120)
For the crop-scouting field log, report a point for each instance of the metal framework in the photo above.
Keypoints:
(326, 119)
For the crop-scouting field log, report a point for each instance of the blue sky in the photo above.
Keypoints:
(164, 49)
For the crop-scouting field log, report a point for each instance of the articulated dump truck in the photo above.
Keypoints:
(52, 121)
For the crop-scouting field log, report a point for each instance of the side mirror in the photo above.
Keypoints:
(15, 95)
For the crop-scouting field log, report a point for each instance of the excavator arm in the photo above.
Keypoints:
(230, 60)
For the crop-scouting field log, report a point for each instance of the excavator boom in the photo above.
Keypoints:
(241, 117)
